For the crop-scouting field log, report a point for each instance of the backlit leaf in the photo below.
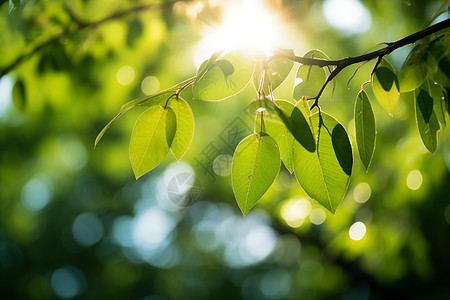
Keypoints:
(185, 127)
(365, 128)
(438, 60)
(256, 163)
(427, 122)
(265, 103)
(151, 139)
(324, 173)
(302, 105)
(223, 77)
(385, 86)
(159, 98)
(439, 104)
(309, 79)
(414, 69)
(280, 133)
(275, 72)
(298, 125)
(207, 64)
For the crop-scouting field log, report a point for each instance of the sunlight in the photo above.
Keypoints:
(350, 16)
(414, 180)
(362, 192)
(294, 211)
(357, 231)
(245, 24)
(6, 86)
(317, 216)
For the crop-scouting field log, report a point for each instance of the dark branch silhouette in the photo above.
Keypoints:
(348, 61)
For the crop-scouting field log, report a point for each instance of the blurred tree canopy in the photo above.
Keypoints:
(74, 223)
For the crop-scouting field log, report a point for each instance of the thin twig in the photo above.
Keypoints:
(261, 85)
(354, 74)
(330, 77)
(186, 85)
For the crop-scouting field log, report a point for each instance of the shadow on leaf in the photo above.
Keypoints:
(299, 127)
(342, 148)
(170, 126)
(386, 78)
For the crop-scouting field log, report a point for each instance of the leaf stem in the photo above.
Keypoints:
(186, 85)
(371, 74)
(261, 85)
(262, 122)
(180, 89)
(170, 97)
(271, 93)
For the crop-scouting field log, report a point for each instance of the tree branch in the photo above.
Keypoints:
(329, 78)
(80, 25)
(345, 62)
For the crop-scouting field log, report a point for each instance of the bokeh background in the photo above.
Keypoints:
(75, 224)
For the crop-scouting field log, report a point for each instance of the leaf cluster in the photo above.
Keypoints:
(314, 147)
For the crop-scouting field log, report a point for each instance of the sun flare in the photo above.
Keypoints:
(245, 24)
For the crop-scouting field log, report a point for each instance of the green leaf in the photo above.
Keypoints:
(324, 174)
(265, 103)
(446, 103)
(159, 98)
(365, 128)
(385, 86)
(225, 77)
(414, 69)
(309, 79)
(256, 163)
(151, 139)
(275, 72)
(185, 127)
(427, 122)
(439, 105)
(438, 60)
(152, 100)
(302, 105)
(298, 125)
(280, 133)
(208, 63)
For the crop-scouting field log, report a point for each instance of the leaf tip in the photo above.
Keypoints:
(97, 139)
(137, 175)
(242, 207)
(244, 212)
(174, 155)
(331, 209)
(431, 149)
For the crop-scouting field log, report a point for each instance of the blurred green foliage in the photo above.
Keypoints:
(74, 223)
